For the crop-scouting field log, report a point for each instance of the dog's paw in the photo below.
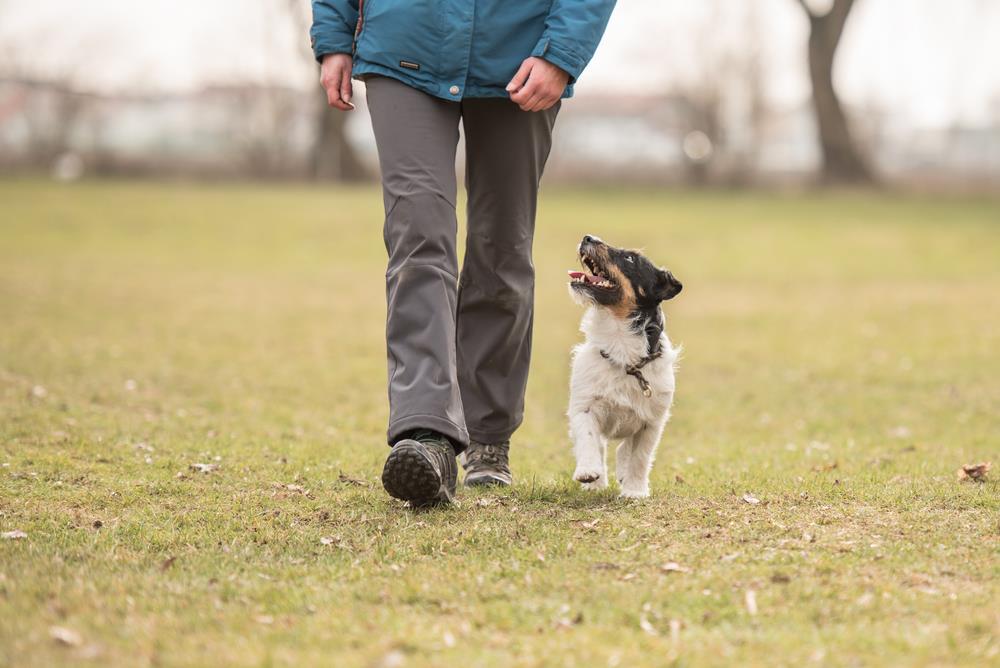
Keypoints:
(600, 483)
(589, 475)
(634, 492)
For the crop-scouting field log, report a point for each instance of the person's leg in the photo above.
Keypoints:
(417, 136)
(506, 150)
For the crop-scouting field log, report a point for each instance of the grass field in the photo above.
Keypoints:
(841, 362)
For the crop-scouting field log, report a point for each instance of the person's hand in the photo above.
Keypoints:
(537, 85)
(335, 77)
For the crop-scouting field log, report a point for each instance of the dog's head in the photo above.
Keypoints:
(623, 281)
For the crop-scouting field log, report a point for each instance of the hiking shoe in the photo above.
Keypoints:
(486, 464)
(421, 469)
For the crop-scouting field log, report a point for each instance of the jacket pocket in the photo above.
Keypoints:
(395, 31)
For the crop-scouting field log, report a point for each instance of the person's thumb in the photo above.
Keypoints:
(521, 77)
(345, 85)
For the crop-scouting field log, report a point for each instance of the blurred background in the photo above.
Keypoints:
(769, 93)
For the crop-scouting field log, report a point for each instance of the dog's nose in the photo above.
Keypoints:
(589, 239)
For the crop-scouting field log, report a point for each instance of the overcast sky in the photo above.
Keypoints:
(928, 62)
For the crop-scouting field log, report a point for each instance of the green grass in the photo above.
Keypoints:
(840, 364)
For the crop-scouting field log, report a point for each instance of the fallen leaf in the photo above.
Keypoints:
(825, 467)
(678, 478)
(750, 598)
(65, 636)
(393, 659)
(203, 468)
(346, 479)
(900, 432)
(646, 626)
(974, 472)
(865, 599)
(167, 563)
(780, 578)
(485, 503)
(675, 629)
(588, 525)
(16, 534)
(90, 652)
(329, 540)
(751, 499)
(674, 567)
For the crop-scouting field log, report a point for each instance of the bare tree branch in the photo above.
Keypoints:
(805, 6)
(842, 161)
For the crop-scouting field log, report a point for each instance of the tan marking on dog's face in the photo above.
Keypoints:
(627, 303)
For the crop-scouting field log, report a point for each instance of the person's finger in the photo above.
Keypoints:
(530, 103)
(525, 93)
(333, 99)
(346, 88)
(536, 101)
(519, 79)
(537, 105)
(546, 103)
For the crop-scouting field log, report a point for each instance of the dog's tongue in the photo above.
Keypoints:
(585, 276)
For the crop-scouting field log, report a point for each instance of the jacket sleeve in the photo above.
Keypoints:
(572, 32)
(333, 26)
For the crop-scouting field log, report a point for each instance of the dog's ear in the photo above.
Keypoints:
(667, 287)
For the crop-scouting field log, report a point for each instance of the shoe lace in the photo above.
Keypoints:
(489, 454)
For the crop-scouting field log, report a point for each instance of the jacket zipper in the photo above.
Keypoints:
(360, 25)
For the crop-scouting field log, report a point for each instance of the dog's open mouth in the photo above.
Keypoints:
(594, 276)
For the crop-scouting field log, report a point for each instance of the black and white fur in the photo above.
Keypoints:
(622, 383)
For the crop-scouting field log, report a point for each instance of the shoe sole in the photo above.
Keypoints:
(409, 476)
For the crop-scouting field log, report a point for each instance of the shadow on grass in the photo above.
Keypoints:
(565, 494)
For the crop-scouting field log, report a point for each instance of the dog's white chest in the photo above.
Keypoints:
(617, 399)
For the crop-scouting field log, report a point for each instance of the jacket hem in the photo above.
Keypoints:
(364, 68)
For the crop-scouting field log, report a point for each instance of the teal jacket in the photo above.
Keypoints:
(459, 48)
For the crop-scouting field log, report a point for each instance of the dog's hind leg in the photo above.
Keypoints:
(639, 450)
(622, 460)
(589, 447)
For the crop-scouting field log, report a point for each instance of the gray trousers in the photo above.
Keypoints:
(458, 346)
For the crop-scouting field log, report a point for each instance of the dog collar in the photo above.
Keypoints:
(635, 370)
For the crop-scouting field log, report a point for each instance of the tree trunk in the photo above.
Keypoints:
(842, 162)
(333, 157)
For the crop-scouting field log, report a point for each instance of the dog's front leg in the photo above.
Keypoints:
(589, 448)
(635, 460)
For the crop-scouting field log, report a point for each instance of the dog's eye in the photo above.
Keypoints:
(630, 258)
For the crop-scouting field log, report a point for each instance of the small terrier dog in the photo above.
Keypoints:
(622, 382)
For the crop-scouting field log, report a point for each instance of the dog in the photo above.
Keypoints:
(622, 381)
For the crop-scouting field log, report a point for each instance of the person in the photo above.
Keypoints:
(458, 345)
